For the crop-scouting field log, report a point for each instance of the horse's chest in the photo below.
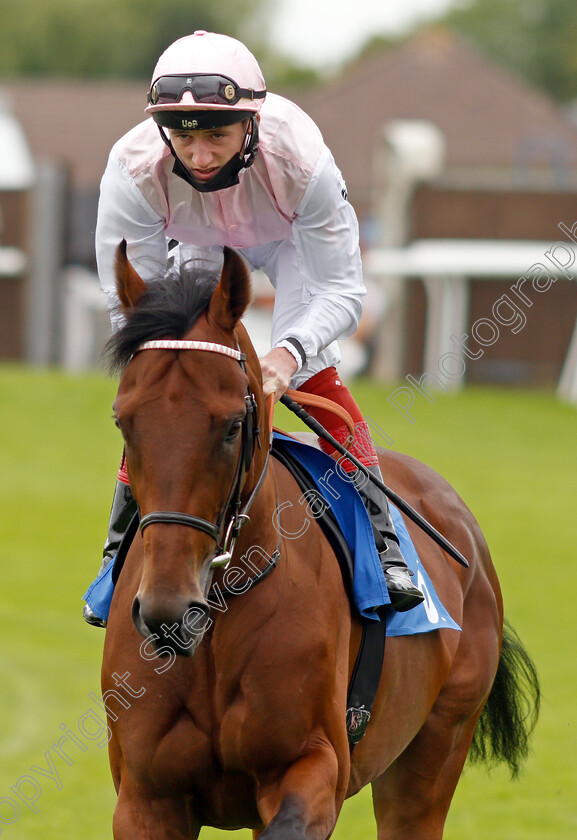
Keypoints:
(186, 760)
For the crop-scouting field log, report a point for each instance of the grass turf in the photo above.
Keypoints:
(510, 454)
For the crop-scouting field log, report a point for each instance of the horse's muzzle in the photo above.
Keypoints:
(176, 630)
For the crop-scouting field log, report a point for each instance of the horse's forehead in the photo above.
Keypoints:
(201, 377)
(211, 372)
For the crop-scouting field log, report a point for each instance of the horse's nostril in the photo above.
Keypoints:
(137, 618)
(135, 608)
(196, 619)
(179, 629)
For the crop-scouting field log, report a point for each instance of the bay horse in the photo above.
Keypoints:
(230, 711)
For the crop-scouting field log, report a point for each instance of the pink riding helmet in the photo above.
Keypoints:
(206, 72)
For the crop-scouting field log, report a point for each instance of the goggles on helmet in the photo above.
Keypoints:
(207, 89)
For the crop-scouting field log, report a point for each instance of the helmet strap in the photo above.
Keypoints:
(228, 174)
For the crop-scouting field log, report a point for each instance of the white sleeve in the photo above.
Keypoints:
(123, 213)
(326, 237)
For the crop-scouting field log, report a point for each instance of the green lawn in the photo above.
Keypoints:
(511, 455)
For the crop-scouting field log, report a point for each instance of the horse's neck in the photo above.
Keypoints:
(259, 537)
(264, 504)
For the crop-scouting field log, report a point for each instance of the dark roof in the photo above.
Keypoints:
(75, 122)
(489, 117)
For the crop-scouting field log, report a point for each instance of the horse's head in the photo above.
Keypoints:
(189, 411)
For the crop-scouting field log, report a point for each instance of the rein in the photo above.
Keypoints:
(250, 438)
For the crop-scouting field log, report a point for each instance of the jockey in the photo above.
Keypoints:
(220, 161)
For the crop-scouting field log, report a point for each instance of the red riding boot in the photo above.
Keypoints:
(403, 592)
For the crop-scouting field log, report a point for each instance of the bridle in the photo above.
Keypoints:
(232, 518)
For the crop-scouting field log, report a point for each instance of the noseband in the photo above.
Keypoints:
(250, 437)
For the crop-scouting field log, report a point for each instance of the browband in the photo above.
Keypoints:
(181, 344)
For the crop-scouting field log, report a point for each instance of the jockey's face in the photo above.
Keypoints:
(205, 151)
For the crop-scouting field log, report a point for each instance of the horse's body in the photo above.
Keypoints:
(248, 729)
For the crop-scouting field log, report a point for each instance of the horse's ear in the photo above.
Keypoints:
(232, 295)
(129, 284)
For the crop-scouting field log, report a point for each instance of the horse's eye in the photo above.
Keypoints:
(234, 431)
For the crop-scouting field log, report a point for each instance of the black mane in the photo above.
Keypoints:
(169, 309)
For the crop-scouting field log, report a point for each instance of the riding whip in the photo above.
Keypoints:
(403, 506)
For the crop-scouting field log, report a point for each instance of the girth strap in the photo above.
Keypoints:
(365, 678)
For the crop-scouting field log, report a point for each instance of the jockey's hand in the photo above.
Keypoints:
(278, 367)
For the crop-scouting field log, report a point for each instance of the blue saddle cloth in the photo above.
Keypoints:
(99, 594)
(369, 587)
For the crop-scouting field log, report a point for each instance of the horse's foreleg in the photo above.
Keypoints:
(138, 817)
(304, 803)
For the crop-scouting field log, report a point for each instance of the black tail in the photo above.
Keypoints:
(512, 709)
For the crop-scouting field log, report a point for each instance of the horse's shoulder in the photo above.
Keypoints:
(399, 470)
(434, 498)
(409, 471)
(420, 484)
